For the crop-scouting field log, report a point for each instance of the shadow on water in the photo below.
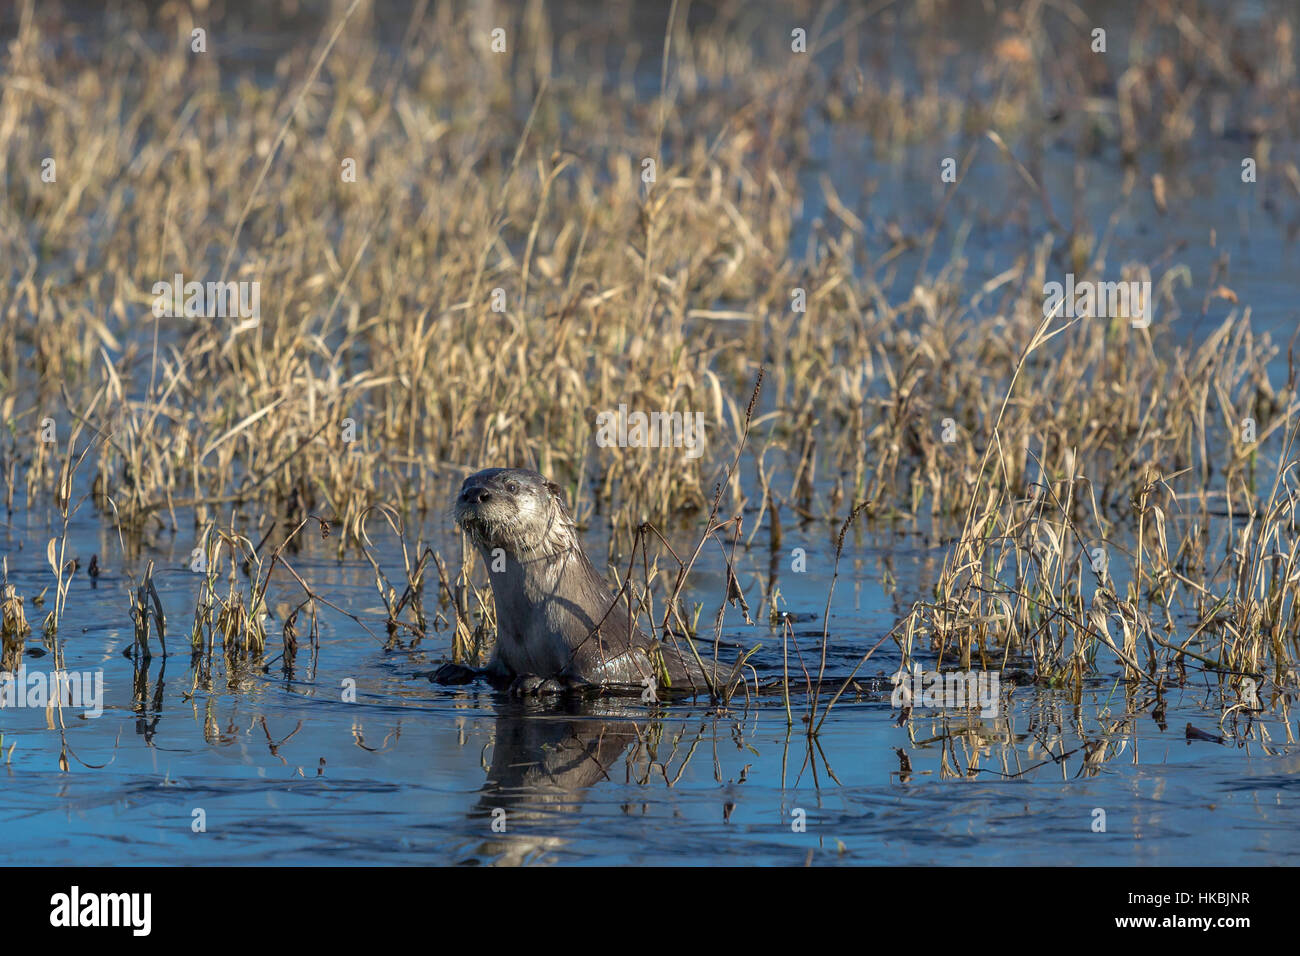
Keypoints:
(542, 765)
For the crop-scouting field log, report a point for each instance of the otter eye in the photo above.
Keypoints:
(512, 487)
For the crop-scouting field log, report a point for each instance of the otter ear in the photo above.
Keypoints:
(554, 489)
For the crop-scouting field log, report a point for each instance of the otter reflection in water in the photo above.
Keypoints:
(559, 627)
(542, 763)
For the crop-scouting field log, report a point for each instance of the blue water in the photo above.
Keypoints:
(274, 769)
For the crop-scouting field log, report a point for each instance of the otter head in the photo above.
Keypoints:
(514, 509)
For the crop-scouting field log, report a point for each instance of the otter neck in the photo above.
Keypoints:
(522, 582)
(543, 600)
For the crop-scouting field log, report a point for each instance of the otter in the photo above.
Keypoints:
(558, 626)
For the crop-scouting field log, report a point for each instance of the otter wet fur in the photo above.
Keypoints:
(558, 629)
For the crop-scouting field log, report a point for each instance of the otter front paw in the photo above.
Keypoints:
(454, 674)
(530, 685)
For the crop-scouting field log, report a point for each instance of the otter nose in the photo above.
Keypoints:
(475, 495)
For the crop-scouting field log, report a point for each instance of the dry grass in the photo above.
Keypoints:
(479, 173)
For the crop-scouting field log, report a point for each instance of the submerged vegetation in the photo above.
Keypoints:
(462, 263)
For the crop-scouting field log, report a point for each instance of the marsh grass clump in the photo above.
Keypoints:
(13, 623)
(147, 617)
(232, 617)
(415, 561)
(473, 630)
(1046, 572)
(13, 620)
(501, 273)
